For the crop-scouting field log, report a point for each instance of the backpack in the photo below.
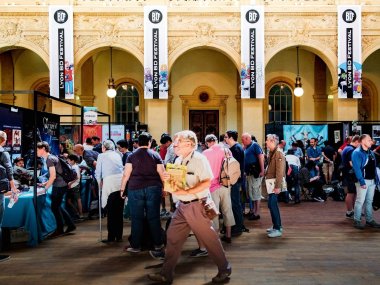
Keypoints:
(338, 193)
(230, 170)
(68, 173)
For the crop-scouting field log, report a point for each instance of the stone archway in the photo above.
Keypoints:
(328, 55)
(42, 85)
(219, 46)
(368, 105)
(92, 48)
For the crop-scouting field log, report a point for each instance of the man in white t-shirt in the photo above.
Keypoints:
(294, 164)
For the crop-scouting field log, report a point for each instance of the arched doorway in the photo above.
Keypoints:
(203, 79)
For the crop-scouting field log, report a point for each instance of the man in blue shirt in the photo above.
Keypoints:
(254, 169)
(364, 165)
(314, 152)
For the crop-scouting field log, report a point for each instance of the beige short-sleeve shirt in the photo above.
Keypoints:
(198, 169)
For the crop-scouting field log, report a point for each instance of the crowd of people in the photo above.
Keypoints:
(137, 174)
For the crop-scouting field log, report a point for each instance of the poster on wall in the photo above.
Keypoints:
(11, 124)
(69, 134)
(356, 129)
(349, 52)
(91, 130)
(48, 127)
(304, 133)
(117, 132)
(156, 74)
(336, 136)
(252, 52)
(376, 133)
(61, 52)
(16, 141)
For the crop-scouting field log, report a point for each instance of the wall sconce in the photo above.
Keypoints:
(298, 90)
(111, 92)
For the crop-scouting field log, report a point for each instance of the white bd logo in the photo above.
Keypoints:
(349, 16)
(155, 16)
(61, 16)
(252, 16)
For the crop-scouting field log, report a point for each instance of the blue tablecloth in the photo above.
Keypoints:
(23, 215)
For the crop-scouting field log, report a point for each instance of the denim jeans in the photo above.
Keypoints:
(2, 209)
(274, 211)
(236, 207)
(364, 196)
(60, 212)
(145, 204)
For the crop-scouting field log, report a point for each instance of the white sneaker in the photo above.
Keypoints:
(275, 233)
(271, 229)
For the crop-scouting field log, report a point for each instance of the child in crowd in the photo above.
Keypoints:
(73, 192)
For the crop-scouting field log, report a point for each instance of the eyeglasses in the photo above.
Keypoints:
(181, 141)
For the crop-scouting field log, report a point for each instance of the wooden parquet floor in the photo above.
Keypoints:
(319, 246)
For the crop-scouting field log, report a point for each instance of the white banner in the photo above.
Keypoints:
(252, 52)
(156, 74)
(61, 52)
(90, 115)
(349, 52)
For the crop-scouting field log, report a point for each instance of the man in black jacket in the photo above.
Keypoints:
(238, 153)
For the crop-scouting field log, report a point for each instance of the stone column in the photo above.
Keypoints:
(320, 96)
(156, 116)
(87, 83)
(7, 77)
(252, 118)
(320, 107)
(239, 114)
(344, 109)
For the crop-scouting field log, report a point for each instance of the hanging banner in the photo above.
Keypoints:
(349, 52)
(90, 115)
(61, 52)
(156, 73)
(252, 52)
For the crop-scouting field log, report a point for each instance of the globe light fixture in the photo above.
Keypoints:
(111, 92)
(298, 90)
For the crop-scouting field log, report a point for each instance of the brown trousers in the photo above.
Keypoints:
(191, 217)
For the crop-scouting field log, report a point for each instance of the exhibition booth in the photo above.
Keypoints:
(25, 128)
(333, 131)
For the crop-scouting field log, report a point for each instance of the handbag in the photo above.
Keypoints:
(4, 185)
(269, 183)
(210, 208)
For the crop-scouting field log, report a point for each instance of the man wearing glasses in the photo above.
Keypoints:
(190, 214)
